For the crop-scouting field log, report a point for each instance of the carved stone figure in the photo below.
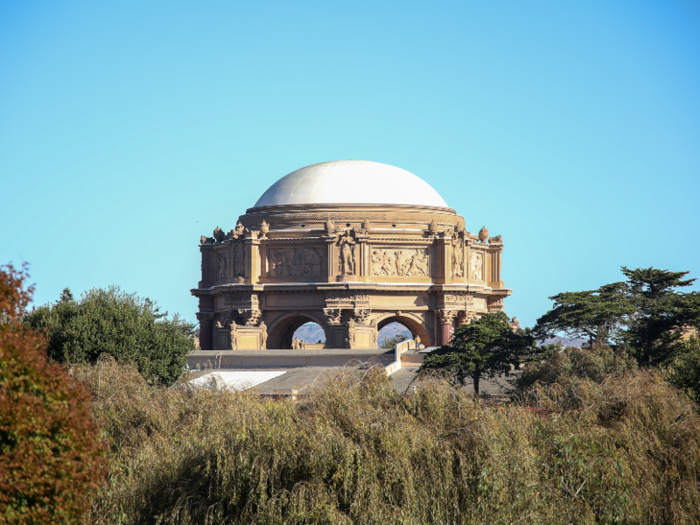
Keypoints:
(222, 266)
(263, 334)
(332, 315)
(302, 345)
(295, 344)
(476, 265)
(496, 240)
(206, 240)
(264, 229)
(458, 258)
(239, 259)
(240, 229)
(483, 234)
(347, 255)
(219, 234)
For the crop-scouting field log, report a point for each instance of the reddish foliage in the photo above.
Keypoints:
(51, 459)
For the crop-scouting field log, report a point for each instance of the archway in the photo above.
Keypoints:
(393, 331)
(414, 325)
(311, 334)
(282, 331)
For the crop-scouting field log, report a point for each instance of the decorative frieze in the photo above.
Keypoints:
(346, 296)
(400, 263)
(296, 262)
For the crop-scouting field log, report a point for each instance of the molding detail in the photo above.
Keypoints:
(251, 317)
(333, 315)
(362, 315)
(446, 316)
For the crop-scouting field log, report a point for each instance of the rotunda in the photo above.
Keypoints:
(351, 245)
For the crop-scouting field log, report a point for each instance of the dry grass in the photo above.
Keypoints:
(357, 452)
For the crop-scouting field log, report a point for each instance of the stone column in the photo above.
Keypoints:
(206, 329)
(445, 320)
(444, 260)
(336, 332)
(252, 258)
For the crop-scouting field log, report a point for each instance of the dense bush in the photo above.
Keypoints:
(51, 460)
(572, 364)
(624, 450)
(684, 370)
(122, 325)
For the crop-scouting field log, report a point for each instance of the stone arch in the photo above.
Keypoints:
(282, 329)
(414, 323)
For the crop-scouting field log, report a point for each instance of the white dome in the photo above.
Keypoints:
(351, 182)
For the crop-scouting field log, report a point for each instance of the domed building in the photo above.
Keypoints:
(350, 245)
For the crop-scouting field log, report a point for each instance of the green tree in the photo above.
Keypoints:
(483, 348)
(661, 313)
(117, 323)
(600, 315)
(391, 342)
(51, 458)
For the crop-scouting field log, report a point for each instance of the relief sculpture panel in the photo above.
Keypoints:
(477, 266)
(400, 263)
(297, 262)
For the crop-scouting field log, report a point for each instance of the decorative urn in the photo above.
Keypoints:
(483, 234)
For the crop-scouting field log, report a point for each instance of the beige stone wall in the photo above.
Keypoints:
(351, 269)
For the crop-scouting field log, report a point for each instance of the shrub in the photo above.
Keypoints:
(355, 451)
(684, 370)
(123, 325)
(51, 460)
(573, 364)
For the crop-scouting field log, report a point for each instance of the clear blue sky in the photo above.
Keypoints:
(128, 129)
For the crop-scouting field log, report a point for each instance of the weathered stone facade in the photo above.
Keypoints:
(350, 268)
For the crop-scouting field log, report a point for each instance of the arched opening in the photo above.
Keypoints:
(412, 325)
(309, 335)
(393, 333)
(282, 333)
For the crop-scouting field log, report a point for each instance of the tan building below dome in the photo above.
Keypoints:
(352, 246)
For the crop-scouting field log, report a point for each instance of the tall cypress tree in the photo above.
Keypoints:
(662, 312)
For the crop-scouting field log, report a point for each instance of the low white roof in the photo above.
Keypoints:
(237, 379)
(351, 182)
